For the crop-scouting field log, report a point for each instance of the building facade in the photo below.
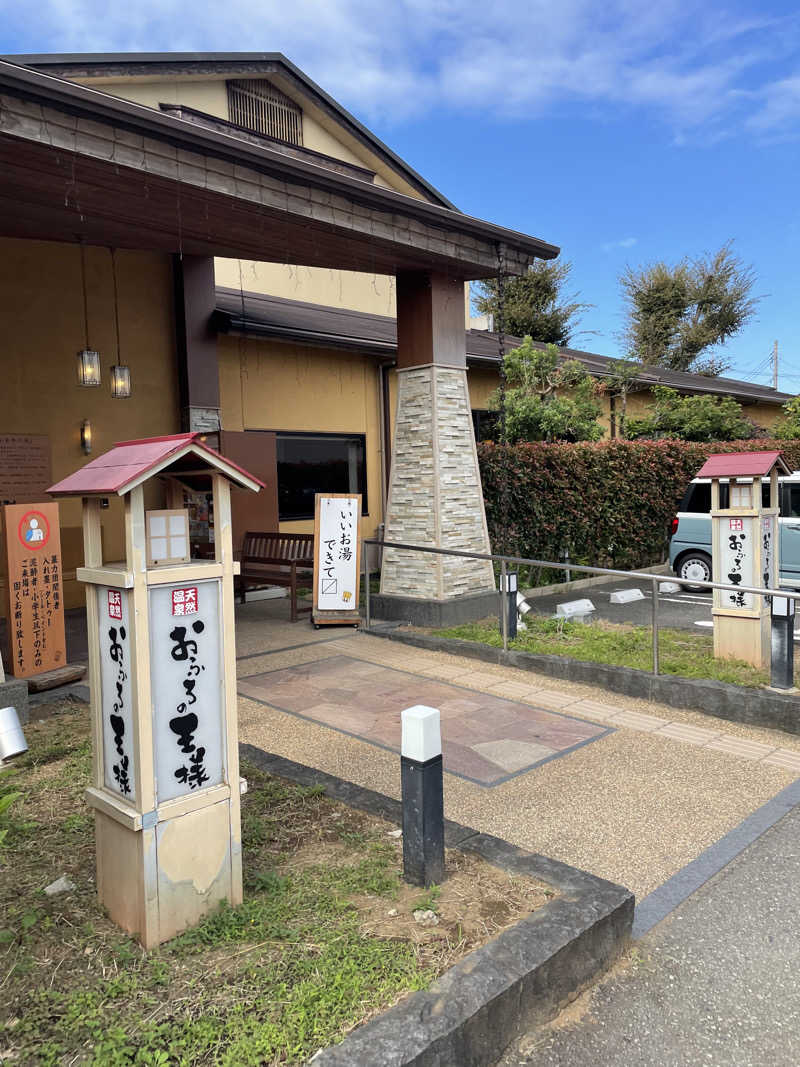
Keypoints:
(278, 335)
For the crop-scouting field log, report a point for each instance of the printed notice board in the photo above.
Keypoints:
(337, 557)
(35, 589)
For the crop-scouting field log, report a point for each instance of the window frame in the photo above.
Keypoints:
(318, 435)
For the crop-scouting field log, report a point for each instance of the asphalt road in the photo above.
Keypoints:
(682, 610)
(715, 984)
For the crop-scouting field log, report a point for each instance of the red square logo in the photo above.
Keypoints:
(184, 601)
(736, 524)
(114, 604)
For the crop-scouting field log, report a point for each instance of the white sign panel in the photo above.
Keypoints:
(337, 574)
(186, 687)
(115, 691)
(736, 550)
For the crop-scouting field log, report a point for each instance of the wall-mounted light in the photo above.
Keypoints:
(120, 381)
(88, 367)
(86, 437)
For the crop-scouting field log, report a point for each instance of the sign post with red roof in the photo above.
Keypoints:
(162, 670)
(744, 550)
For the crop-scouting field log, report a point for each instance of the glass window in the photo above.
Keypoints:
(791, 501)
(318, 463)
(698, 498)
(485, 424)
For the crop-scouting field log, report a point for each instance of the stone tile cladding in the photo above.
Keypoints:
(435, 495)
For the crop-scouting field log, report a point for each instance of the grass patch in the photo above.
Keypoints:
(324, 939)
(681, 652)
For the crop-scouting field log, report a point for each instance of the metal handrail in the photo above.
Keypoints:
(654, 579)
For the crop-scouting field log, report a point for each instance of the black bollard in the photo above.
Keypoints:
(782, 659)
(423, 799)
(509, 587)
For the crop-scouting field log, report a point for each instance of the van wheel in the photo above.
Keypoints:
(695, 566)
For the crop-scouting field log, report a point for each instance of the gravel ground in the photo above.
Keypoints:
(631, 807)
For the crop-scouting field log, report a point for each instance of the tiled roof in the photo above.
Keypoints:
(124, 465)
(742, 465)
(317, 324)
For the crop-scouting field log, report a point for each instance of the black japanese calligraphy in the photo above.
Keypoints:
(185, 724)
(116, 653)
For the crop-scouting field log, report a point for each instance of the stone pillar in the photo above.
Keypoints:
(435, 495)
(198, 373)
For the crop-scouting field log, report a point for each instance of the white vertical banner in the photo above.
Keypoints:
(336, 547)
(736, 554)
(186, 686)
(767, 546)
(116, 702)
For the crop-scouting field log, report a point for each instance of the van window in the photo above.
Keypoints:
(698, 498)
(791, 501)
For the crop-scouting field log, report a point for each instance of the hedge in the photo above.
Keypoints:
(610, 504)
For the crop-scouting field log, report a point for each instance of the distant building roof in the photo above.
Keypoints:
(317, 324)
(742, 465)
(129, 463)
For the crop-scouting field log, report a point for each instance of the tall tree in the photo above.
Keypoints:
(676, 314)
(535, 304)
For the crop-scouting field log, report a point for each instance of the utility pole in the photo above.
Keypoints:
(775, 366)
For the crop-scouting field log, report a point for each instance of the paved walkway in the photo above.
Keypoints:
(653, 789)
(487, 739)
(715, 984)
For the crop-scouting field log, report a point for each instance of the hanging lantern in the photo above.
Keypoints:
(88, 367)
(88, 359)
(120, 372)
(120, 381)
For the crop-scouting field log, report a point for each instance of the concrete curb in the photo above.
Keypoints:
(752, 707)
(588, 583)
(518, 980)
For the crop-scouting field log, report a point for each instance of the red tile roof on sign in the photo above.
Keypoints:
(126, 464)
(742, 465)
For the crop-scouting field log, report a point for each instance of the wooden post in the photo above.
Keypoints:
(223, 551)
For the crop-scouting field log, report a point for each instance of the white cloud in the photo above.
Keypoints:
(624, 242)
(779, 107)
(692, 65)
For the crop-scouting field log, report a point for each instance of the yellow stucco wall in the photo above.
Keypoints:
(763, 414)
(267, 385)
(43, 329)
(204, 94)
(373, 293)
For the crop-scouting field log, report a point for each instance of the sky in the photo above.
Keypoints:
(624, 132)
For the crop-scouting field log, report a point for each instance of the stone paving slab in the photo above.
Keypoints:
(634, 808)
(486, 738)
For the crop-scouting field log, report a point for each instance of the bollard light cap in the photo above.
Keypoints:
(783, 606)
(422, 738)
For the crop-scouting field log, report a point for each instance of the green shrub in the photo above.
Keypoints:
(610, 504)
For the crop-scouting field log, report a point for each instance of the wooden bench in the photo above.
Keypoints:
(276, 559)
